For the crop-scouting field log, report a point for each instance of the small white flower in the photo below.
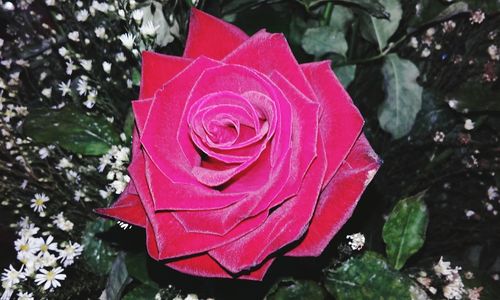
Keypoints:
(493, 52)
(12, 276)
(439, 137)
(469, 213)
(493, 193)
(413, 42)
(82, 15)
(62, 223)
(106, 66)
(47, 92)
(43, 153)
(82, 86)
(74, 36)
(102, 7)
(148, 29)
(100, 32)
(357, 241)
(477, 17)
(28, 231)
(449, 26)
(1, 43)
(64, 163)
(65, 88)
(47, 260)
(86, 64)
(25, 296)
(468, 125)
(25, 247)
(120, 57)
(137, 15)
(68, 254)
(8, 6)
(63, 51)
(127, 40)
(44, 246)
(426, 52)
(50, 2)
(50, 278)
(59, 17)
(70, 67)
(38, 202)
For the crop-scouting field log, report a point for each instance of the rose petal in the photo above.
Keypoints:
(157, 69)
(339, 198)
(171, 238)
(285, 225)
(159, 138)
(267, 53)
(127, 208)
(340, 122)
(205, 266)
(211, 37)
(141, 112)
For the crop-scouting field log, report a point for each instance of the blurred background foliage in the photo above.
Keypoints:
(424, 74)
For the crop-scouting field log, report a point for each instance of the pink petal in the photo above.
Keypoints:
(141, 112)
(286, 224)
(211, 37)
(340, 123)
(159, 137)
(267, 53)
(203, 265)
(157, 69)
(127, 208)
(171, 238)
(339, 198)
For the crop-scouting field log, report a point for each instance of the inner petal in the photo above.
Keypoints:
(223, 130)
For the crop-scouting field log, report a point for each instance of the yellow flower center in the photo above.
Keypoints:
(44, 248)
(50, 276)
(39, 202)
(24, 247)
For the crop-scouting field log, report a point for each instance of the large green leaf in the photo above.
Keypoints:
(72, 129)
(371, 7)
(137, 268)
(341, 17)
(367, 277)
(292, 289)
(488, 6)
(433, 11)
(141, 292)
(403, 98)
(98, 255)
(118, 278)
(379, 31)
(474, 96)
(326, 39)
(404, 230)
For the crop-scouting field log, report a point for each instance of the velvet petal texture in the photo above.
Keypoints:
(240, 154)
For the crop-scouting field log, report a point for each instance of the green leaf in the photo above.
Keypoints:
(128, 125)
(371, 7)
(291, 289)
(141, 292)
(137, 268)
(345, 74)
(404, 230)
(118, 278)
(98, 255)
(488, 6)
(435, 11)
(403, 96)
(72, 129)
(473, 97)
(379, 31)
(367, 277)
(136, 77)
(321, 40)
(341, 18)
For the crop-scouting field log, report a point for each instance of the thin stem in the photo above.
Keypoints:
(327, 14)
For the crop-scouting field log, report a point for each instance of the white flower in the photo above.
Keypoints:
(106, 66)
(127, 40)
(493, 52)
(493, 193)
(357, 241)
(137, 15)
(102, 7)
(477, 17)
(38, 202)
(74, 36)
(64, 163)
(50, 2)
(425, 53)
(82, 15)
(65, 88)
(62, 223)
(86, 64)
(47, 260)
(12, 276)
(68, 254)
(63, 51)
(439, 137)
(45, 245)
(7, 293)
(100, 32)
(25, 296)
(50, 278)
(468, 125)
(120, 57)
(47, 92)
(28, 231)
(1, 43)
(454, 289)
(82, 86)
(25, 247)
(148, 29)
(442, 268)
(8, 6)
(89, 103)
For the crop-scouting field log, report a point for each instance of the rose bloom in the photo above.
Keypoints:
(240, 151)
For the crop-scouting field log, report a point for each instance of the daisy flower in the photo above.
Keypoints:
(50, 278)
(69, 253)
(38, 202)
(12, 276)
(25, 296)
(25, 247)
(48, 244)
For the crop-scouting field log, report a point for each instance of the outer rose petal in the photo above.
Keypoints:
(339, 198)
(211, 37)
(340, 123)
(269, 53)
(205, 266)
(157, 69)
(285, 225)
(141, 112)
(127, 208)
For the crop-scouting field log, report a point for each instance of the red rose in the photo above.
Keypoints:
(240, 151)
